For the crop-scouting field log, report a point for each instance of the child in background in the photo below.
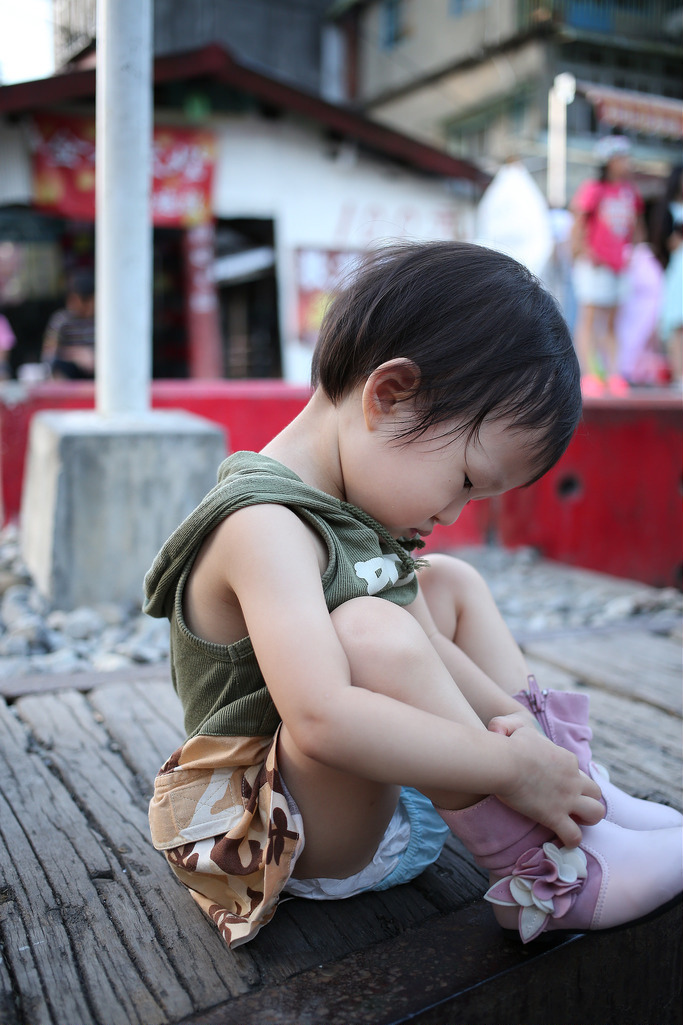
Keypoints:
(641, 361)
(607, 213)
(669, 248)
(7, 342)
(69, 341)
(347, 703)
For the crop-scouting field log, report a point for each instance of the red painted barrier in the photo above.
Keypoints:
(252, 412)
(612, 503)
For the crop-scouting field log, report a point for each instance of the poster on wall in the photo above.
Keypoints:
(318, 273)
(64, 171)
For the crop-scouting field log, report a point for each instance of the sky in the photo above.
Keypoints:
(25, 40)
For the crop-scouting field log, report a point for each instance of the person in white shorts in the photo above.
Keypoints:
(607, 212)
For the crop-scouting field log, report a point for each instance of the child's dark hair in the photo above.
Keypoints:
(489, 341)
(82, 284)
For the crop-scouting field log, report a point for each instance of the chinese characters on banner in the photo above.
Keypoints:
(318, 272)
(64, 171)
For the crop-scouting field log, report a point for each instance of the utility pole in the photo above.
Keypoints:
(105, 488)
(561, 94)
(123, 263)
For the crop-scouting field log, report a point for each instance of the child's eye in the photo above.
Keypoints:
(468, 485)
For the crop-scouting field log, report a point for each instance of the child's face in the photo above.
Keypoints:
(619, 167)
(412, 486)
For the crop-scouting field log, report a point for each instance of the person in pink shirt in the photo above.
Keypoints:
(7, 341)
(607, 213)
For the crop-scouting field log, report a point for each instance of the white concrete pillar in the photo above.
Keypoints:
(561, 93)
(104, 489)
(123, 319)
(102, 494)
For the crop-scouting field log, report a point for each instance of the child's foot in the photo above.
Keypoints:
(592, 386)
(615, 876)
(563, 716)
(617, 385)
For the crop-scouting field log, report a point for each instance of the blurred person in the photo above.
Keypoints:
(607, 212)
(7, 342)
(641, 361)
(669, 249)
(69, 342)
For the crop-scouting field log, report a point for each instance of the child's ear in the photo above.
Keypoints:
(388, 391)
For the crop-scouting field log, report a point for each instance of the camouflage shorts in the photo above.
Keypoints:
(223, 818)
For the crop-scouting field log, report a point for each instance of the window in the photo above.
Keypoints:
(457, 8)
(392, 23)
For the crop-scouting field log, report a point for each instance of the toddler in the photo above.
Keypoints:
(348, 703)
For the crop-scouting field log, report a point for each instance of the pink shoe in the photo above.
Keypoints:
(592, 385)
(618, 385)
(563, 717)
(615, 876)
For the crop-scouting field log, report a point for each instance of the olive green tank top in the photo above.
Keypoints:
(220, 685)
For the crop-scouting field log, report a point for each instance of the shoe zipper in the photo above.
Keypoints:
(538, 699)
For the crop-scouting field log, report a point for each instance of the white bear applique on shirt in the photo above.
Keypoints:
(382, 572)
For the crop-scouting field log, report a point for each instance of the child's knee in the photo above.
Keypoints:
(461, 577)
(373, 630)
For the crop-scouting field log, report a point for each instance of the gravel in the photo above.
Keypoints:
(39, 637)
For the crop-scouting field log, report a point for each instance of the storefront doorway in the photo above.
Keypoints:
(245, 275)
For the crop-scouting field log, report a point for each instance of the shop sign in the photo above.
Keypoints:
(64, 171)
(318, 273)
(635, 112)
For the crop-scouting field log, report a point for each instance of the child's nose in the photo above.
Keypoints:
(451, 512)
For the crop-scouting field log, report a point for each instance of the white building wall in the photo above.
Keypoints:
(327, 196)
(437, 35)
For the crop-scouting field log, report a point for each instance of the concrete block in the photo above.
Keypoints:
(102, 494)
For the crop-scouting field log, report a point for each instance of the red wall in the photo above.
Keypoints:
(612, 503)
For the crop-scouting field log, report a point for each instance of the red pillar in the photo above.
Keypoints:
(205, 350)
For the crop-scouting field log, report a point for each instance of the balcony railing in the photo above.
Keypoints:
(653, 19)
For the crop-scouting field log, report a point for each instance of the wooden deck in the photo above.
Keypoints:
(95, 929)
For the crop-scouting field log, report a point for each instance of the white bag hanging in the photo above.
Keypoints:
(513, 217)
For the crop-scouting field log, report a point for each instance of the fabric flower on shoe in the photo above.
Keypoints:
(545, 881)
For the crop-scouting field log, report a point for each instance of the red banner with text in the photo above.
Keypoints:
(64, 171)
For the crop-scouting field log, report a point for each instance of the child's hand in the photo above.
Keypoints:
(507, 724)
(548, 786)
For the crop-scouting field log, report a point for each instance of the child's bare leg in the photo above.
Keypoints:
(486, 661)
(345, 816)
(584, 337)
(611, 344)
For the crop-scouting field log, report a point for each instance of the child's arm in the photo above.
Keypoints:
(271, 564)
(577, 235)
(485, 696)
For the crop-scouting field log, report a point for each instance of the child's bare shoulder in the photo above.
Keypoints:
(262, 536)
(254, 544)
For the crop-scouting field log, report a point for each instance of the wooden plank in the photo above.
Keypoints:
(300, 935)
(79, 749)
(639, 744)
(636, 664)
(454, 880)
(145, 720)
(9, 998)
(70, 965)
(451, 883)
(461, 968)
(104, 749)
(31, 933)
(12, 687)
